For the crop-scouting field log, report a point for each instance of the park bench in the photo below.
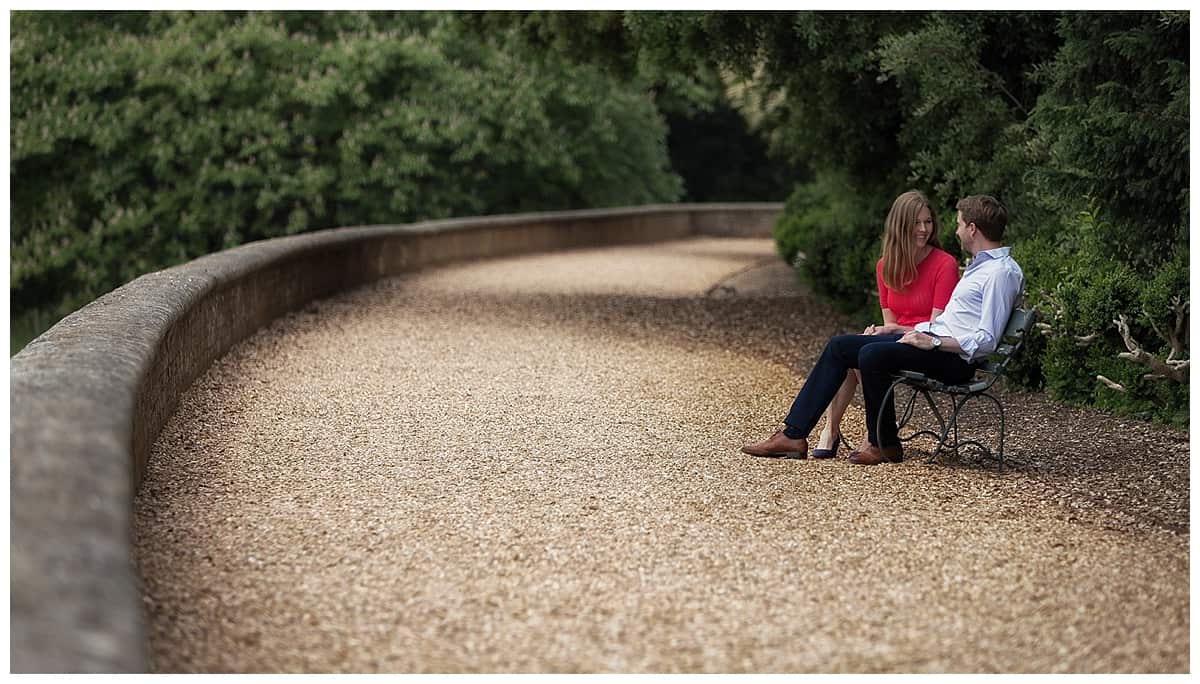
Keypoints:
(993, 368)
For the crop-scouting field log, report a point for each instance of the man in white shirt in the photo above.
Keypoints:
(946, 349)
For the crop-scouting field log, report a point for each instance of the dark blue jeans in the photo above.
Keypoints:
(877, 358)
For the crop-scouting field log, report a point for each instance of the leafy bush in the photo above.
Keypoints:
(839, 235)
(1079, 292)
(141, 140)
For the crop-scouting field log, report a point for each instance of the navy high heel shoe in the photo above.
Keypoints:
(828, 453)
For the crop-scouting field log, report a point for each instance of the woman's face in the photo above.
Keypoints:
(923, 228)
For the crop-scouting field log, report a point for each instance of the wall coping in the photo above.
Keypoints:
(89, 396)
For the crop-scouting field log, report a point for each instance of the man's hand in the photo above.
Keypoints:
(917, 339)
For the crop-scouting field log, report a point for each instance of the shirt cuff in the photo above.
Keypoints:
(969, 345)
(977, 345)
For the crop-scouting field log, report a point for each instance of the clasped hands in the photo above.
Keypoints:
(885, 329)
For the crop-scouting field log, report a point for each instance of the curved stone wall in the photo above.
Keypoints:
(89, 397)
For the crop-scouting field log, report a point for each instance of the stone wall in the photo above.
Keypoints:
(89, 396)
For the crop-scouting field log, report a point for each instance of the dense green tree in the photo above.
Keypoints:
(720, 153)
(1113, 125)
(140, 140)
(1108, 159)
(966, 83)
(828, 105)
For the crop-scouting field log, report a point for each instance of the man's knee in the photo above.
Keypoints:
(840, 341)
(876, 358)
(841, 347)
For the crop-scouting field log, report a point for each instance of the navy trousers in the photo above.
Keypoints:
(877, 358)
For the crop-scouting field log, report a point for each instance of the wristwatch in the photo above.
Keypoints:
(937, 341)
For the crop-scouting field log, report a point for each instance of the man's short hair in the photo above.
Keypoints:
(986, 212)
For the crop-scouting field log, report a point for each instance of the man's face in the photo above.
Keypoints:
(963, 233)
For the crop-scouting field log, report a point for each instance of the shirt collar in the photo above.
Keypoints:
(988, 255)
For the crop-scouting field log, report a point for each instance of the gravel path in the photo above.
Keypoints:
(531, 464)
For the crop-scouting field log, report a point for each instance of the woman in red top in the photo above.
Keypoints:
(915, 279)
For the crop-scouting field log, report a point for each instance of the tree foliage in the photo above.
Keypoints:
(140, 140)
(720, 150)
(1112, 124)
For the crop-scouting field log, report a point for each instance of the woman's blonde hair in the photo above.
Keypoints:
(899, 253)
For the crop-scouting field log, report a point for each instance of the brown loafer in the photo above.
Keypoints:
(778, 445)
(873, 455)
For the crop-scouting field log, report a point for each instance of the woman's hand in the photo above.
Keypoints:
(884, 329)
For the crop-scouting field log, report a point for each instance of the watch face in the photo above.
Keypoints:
(937, 342)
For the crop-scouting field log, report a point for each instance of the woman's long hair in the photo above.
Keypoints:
(899, 253)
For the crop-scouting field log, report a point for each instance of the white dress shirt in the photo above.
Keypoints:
(980, 304)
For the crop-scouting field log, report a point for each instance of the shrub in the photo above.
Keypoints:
(1079, 291)
(834, 234)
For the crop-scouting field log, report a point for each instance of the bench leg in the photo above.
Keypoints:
(945, 442)
(958, 405)
(891, 393)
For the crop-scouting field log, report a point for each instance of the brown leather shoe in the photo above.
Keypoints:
(778, 445)
(873, 455)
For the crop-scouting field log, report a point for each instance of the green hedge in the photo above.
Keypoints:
(834, 238)
(142, 140)
(1080, 291)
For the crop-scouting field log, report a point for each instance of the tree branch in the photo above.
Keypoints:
(999, 83)
(1172, 369)
(1179, 336)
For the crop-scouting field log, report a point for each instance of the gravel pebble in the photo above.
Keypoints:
(531, 465)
